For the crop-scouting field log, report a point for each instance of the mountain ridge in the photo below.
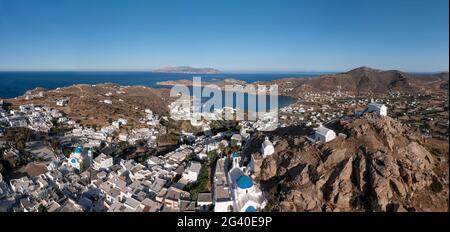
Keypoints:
(365, 80)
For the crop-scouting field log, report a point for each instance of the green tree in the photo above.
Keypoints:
(199, 186)
(435, 185)
(233, 143)
(312, 172)
(54, 144)
(42, 208)
(227, 150)
(221, 147)
(212, 156)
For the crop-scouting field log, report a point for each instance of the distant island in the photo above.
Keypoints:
(187, 69)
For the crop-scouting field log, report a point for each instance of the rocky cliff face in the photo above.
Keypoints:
(379, 166)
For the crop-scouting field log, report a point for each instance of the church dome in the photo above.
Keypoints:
(78, 150)
(244, 182)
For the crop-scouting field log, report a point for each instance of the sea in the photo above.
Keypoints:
(13, 84)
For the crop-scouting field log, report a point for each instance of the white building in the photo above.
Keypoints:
(244, 134)
(102, 162)
(202, 155)
(324, 134)
(267, 147)
(204, 201)
(116, 124)
(27, 109)
(192, 171)
(62, 102)
(378, 108)
(123, 137)
(236, 139)
(17, 121)
(23, 185)
(211, 145)
(122, 121)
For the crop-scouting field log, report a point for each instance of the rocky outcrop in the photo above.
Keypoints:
(378, 167)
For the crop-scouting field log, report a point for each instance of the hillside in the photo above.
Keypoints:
(382, 165)
(86, 103)
(363, 80)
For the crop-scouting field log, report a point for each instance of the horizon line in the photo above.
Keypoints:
(224, 72)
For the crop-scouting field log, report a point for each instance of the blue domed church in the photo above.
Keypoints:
(80, 159)
(246, 195)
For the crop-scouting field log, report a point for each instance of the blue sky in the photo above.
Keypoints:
(233, 36)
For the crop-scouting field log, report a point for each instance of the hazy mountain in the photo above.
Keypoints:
(187, 69)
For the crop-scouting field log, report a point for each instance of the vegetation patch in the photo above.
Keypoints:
(435, 185)
(199, 186)
(312, 172)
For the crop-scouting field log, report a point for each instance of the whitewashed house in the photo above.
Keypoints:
(267, 147)
(236, 139)
(123, 137)
(62, 102)
(192, 171)
(324, 134)
(378, 108)
(102, 162)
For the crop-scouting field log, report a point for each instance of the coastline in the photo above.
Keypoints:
(15, 84)
(217, 86)
(113, 87)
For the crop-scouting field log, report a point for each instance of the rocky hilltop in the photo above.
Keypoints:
(187, 69)
(375, 164)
